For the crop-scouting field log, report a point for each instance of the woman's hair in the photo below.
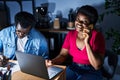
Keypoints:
(90, 12)
(25, 19)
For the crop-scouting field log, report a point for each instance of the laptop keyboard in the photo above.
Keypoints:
(53, 71)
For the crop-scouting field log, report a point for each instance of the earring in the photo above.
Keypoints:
(91, 26)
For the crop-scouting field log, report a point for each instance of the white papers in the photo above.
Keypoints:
(14, 66)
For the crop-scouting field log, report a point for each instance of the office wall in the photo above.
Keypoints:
(63, 7)
(4, 16)
(55, 6)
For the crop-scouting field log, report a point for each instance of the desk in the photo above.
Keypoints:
(65, 31)
(18, 75)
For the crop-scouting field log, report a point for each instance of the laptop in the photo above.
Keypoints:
(35, 65)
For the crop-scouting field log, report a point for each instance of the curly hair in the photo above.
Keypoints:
(90, 12)
(25, 19)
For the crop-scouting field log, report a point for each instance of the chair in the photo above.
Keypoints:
(109, 66)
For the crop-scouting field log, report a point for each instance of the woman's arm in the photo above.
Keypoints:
(61, 57)
(95, 57)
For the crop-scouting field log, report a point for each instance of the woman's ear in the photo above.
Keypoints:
(91, 26)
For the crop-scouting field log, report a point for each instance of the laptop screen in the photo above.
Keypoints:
(35, 65)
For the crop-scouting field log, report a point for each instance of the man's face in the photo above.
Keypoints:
(22, 32)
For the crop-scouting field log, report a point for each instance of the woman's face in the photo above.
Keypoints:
(82, 22)
(22, 32)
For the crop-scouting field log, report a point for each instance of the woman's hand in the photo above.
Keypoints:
(86, 33)
(48, 62)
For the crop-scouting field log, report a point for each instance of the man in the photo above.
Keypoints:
(23, 37)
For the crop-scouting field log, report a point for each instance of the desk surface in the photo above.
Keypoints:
(18, 75)
(54, 30)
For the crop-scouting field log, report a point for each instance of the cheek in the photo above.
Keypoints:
(76, 23)
(17, 33)
(77, 29)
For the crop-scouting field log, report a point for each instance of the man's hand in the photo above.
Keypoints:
(3, 60)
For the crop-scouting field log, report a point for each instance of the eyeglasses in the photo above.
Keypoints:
(21, 33)
(84, 22)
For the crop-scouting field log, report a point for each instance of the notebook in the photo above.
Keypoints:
(35, 65)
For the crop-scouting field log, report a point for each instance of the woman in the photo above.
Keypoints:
(85, 45)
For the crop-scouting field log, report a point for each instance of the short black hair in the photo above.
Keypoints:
(25, 19)
(90, 12)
